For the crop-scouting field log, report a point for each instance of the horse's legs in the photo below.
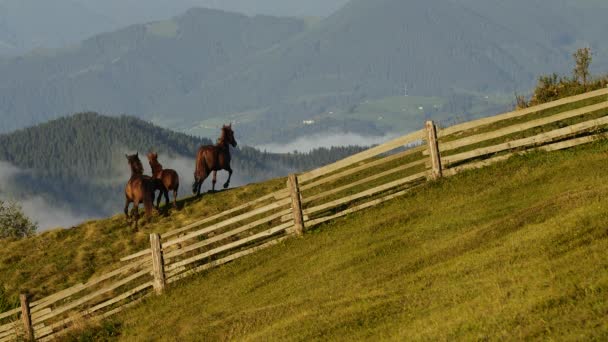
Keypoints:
(127, 202)
(166, 194)
(160, 195)
(214, 181)
(148, 204)
(227, 184)
(135, 211)
(175, 197)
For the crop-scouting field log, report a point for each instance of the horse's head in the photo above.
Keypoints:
(152, 157)
(135, 163)
(228, 135)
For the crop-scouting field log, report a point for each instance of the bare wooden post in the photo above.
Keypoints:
(431, 130)
(296, 204)
(26, 317)
(158, 265)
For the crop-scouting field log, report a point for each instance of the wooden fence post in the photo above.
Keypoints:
(431, 130)
(26, 317)
(296, 204)
(158, 265)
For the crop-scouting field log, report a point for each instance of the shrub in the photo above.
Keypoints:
(14, 224)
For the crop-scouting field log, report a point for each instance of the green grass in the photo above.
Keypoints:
(515, 251)
(57, 259)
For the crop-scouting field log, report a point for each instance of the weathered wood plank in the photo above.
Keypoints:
(10, 325)
(372, 152)
(366, 193)
(117, 299)
(229, 246)
(296, 204)
(277, 195)
(9, 338)
(11, 329)
(44, 302)
(537, 139)
(363, 181)
(365, 166)
(258, 211)
(227, 259)
(93, 295)
(49, 333)
(228, 234)
(451, 145)
(518, 113)
(10, 313)
(552, 147)
(358, 207)
(41, 313)
(143, 252)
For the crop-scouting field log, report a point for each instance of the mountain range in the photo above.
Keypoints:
(280, 78)
(32, 24)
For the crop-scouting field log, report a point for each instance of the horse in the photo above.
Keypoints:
(168, 178)
(214, 158)
(139, 189)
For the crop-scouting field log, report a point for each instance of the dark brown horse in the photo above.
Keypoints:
(169, 179)
(213, 158)
(139, 189)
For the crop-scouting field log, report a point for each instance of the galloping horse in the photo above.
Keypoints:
(139, 189)
(169, 179)
(214, 158)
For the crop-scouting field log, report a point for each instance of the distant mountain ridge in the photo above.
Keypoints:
(271, 75)
(31, 24)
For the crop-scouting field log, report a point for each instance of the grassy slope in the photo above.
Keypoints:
(57, 259)
(514, 251)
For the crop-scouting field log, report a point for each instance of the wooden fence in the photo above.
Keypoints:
(361, 181)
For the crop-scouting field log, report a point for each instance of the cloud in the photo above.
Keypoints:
(308, 143)
(37, 208)
(50, 216)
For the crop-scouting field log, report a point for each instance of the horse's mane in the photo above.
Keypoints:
(136, 166)
(221, 141)
(156, 167)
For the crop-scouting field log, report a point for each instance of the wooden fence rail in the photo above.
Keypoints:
(361, 181)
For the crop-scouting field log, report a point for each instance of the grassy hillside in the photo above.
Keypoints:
(512, 251)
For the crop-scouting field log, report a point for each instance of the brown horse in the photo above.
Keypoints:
(169, 179)
(139, 189)
(213, 158)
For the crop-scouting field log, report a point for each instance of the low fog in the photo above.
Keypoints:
(46, 214)
(311, 142)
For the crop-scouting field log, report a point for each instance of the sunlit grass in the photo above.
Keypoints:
(514, 251)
